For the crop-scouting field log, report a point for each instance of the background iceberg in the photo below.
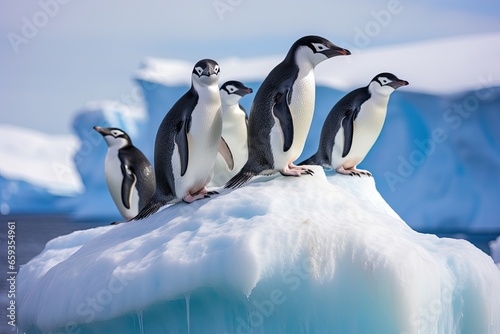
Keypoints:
(37, 171)
(296, 255)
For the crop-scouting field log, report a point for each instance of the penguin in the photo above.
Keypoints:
(282, 111)
(129, 174)
(234, 131)
(187, 142)
(353, 125)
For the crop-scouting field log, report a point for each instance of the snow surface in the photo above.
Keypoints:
(40, 159)
(441, 66)
(295, 255)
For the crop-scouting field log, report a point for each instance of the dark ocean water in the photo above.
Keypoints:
(31, 235)
(33, 232)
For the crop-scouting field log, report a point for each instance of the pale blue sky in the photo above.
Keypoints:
(88, 50)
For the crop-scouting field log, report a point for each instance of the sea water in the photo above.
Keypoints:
(31, 233)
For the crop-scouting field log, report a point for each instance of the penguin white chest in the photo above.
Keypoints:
(234, 132)
(203, 145)
(302, 109)
(366, 129)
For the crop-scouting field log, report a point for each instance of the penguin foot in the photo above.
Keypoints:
(191, 198)
(353, 171)
(292, 170)
(200, 194)
(308, 172)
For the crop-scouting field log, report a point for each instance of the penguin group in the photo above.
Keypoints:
(207, 141)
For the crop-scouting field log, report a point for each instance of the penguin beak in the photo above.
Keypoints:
(102, 131)
(399, 83)
(209, 70)
(245, 91)
(336, 51)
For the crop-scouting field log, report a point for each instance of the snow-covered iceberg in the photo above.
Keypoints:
(318, 254)
(36, 169)
(495, 250)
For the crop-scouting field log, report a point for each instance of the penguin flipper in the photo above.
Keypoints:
(128, 184)
(182, 143)
(281, 111)
(348, 125)
(226, 153)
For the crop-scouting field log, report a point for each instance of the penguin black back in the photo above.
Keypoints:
(129, 174)
(175, 123)
(197, 114)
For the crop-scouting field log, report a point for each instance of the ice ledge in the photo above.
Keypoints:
(363, 265)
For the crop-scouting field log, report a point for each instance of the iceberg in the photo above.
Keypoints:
(36, 168)
(313, 254)
(495, 250)
(42, 160)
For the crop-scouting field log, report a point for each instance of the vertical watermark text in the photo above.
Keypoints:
(11, 274)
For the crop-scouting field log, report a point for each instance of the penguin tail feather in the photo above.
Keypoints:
(152, 207)
(311, 161)
(239, 179)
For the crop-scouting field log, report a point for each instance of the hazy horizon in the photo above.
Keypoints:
(58, 54)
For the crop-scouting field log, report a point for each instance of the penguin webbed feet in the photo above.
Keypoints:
(308, 172)
(353, 171)
(359, 173)
(200, 194)
(210, 193)
(292, 170)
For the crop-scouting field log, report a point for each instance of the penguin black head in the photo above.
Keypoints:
(386, 83)
(114, 136)
(318, 49)
(206, 71)
(236, 87)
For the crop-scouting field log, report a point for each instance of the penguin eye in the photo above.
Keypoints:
(231, 89)
(116, 133)
(384, 81)
(198, 70)
(319, 47)
(216, 69)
